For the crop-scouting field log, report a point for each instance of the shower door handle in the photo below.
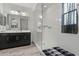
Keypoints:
(44, 27)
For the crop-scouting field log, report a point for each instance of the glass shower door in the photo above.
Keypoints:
(50, 19)
(37, 26)
(43, 22)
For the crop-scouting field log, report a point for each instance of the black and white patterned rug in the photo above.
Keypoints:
(57, 51)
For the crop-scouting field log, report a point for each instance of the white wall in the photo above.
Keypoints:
(1, 7)
(66, 41)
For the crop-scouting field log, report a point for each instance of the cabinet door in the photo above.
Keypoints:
(20, 39)
(3, 41)
(27, 38)
(23, 39)
(12, 40)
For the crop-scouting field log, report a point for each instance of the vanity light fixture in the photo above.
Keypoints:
(14, 12)
(18, 13)
(23, 13)
(45, 6)
(40, 16)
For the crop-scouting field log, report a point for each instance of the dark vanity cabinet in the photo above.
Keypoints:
(10, 40)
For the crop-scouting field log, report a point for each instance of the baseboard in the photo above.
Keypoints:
(39, 48)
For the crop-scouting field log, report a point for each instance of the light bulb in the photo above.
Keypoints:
(45, 6)
(40, 16)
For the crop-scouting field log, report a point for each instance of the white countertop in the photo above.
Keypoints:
(11, 31)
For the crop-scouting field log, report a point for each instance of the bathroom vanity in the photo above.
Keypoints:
(10, 39)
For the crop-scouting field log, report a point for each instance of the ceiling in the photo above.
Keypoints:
(28, 5)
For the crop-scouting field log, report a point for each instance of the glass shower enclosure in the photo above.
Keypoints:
(43, 26)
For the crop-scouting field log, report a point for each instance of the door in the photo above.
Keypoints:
(49, 25)
(37, 26)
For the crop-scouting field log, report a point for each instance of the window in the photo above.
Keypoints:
(69, 18)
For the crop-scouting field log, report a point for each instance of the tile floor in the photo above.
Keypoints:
(30, 50)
